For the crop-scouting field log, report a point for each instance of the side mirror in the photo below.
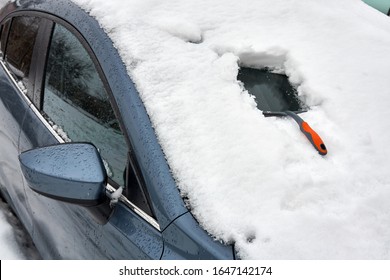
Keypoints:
(71, 172)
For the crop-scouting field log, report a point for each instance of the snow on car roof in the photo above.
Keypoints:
(253, 180)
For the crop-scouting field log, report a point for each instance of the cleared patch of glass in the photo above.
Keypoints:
(273, 91)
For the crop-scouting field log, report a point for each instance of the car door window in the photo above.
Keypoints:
(4, 35)
(77, 104)
(19, 49)
(20, 45)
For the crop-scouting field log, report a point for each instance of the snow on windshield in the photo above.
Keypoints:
(257, 181)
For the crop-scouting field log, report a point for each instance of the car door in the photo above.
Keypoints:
(72, 102)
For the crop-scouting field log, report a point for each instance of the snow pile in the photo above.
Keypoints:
(9, 246)
(257, 181)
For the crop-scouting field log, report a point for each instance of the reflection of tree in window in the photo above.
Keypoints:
(4, 33)
(76, 100)
(73, 76)
(68, 75)
(20, 44)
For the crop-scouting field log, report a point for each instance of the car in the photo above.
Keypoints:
(381, 5)
(81, 165)
(174, 129)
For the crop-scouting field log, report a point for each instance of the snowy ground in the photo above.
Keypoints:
(15, 244)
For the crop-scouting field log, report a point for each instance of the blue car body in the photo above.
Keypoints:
(381, 5)
(108, 226)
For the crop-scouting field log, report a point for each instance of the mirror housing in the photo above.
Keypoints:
(70, 172)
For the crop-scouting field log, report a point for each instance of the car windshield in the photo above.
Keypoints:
(273, 91)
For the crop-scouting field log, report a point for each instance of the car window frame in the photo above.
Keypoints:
(37, 70)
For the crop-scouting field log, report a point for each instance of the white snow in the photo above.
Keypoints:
(254, 180)
(10, 249)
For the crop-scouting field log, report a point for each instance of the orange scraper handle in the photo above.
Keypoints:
(310, 134)
(314, 138)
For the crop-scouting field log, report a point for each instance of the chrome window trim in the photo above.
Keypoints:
(8, 72)
(135, 208)
(150, 220)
